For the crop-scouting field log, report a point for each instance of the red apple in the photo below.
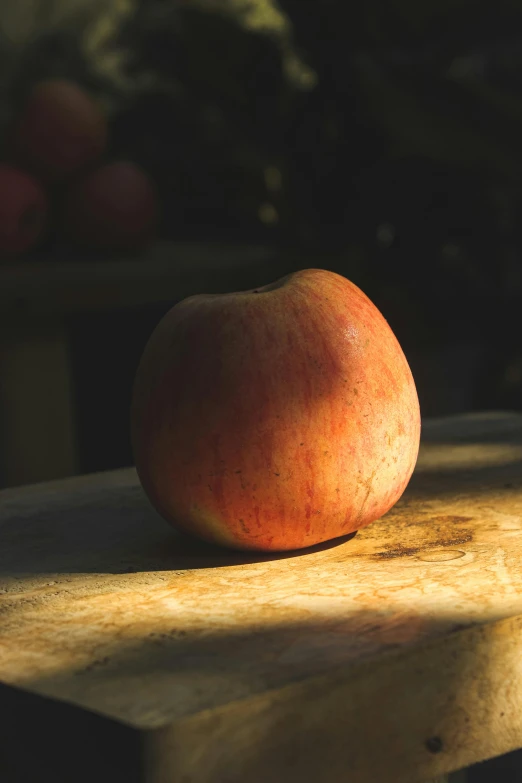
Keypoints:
(60, 130)
(23, 211)
(115, 207)
(276, 418)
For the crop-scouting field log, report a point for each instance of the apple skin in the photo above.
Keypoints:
(277, 418)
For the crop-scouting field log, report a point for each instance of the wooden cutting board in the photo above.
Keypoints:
(128, 652)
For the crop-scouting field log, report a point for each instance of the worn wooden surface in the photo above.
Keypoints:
(395, 655)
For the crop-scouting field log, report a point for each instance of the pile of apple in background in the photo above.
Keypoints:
(55, 179)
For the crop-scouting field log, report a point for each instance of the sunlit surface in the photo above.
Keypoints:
(104, 606)
(178, 627)
(463, 456)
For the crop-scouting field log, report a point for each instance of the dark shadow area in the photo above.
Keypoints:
(505, 769)
(44, 740)
(279, 702)
(114, 532)
(105, 354)
(385, 148)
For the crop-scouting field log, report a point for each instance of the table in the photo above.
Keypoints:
(128, 652)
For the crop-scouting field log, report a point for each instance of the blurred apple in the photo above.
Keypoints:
(23, 211)
(114, 207)
(59, 131)
(276, 418)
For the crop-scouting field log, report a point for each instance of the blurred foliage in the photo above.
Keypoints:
(384, 134)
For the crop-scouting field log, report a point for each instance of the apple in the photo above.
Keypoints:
(114, 207)
(276, 418)
(23, 211)
(59, 131)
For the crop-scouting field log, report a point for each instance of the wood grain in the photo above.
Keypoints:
(395, 655)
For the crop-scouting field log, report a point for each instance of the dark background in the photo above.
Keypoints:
(384, 135)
